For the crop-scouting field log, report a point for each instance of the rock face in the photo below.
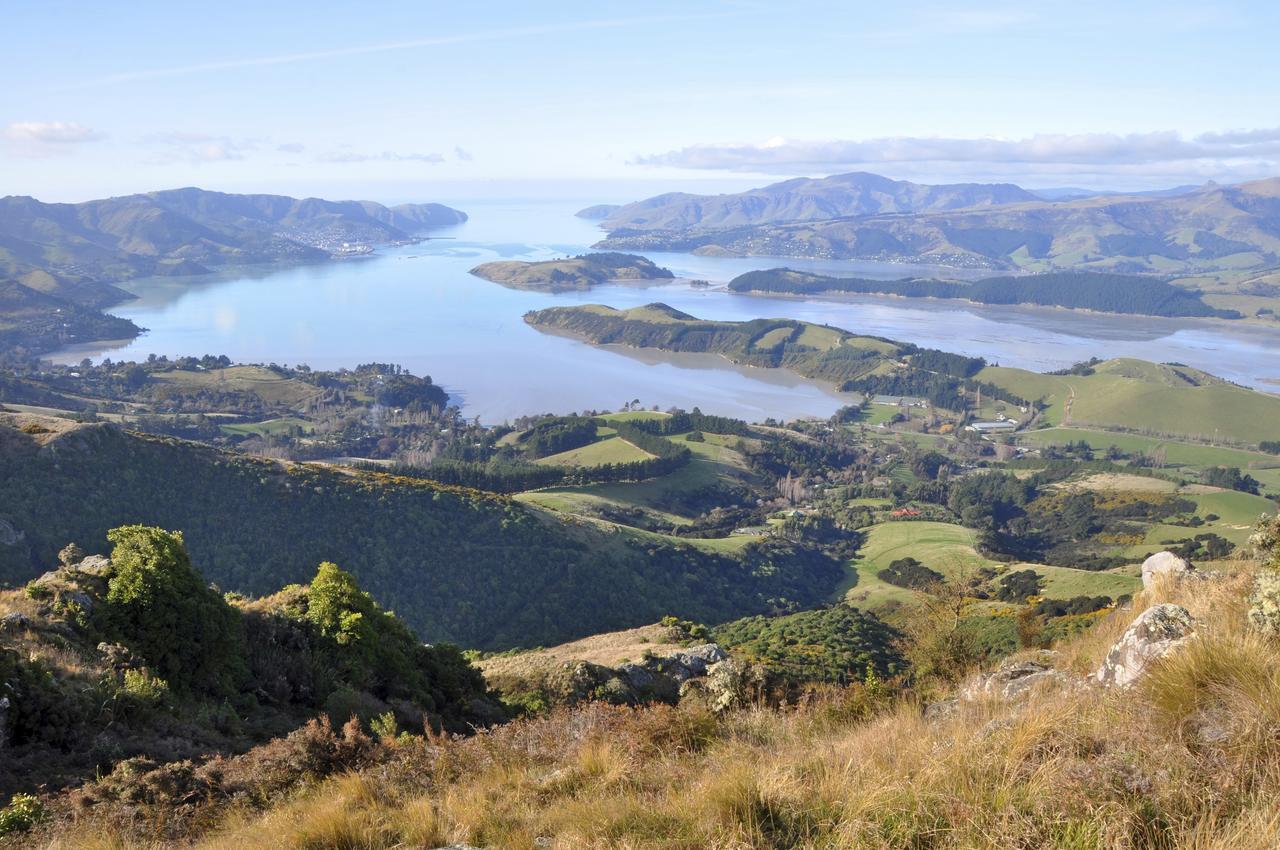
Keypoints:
(1158, 631)
(1013, 679)
(1164, 563)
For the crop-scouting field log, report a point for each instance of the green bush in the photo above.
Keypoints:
(23, 812)
(160, 607)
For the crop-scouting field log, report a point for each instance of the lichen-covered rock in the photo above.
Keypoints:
(1013, 679)
(1158, 631)
(15, 621)
(1164, 564)
(1264, 602)
(698, 658)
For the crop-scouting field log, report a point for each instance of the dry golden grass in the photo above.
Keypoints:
(1190, 758)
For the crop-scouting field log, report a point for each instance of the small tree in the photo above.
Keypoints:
(160, 607)
(938, 644)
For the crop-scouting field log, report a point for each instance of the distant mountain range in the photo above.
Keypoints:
(970, 225)
(803, 199)
(71, 254)
(75, 250)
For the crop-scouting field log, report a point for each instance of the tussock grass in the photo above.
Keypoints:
(1189, 758)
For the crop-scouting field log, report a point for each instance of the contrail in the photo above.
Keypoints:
(434, 41)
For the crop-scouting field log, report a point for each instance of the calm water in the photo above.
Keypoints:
(418, 307)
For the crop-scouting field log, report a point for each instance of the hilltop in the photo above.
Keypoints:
(581, 272)
(1215, 228)
(801, 199)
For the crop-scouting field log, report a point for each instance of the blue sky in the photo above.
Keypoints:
(610, 101)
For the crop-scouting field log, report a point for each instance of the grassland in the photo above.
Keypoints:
(1186, 458)
(269, 427)
(1150, 398)
(260, 381)
(949, 549)
(610, 449)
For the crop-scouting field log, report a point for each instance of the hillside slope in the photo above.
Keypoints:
(456, 564)
(803, 199)
(1037, 754)
(73, 250)
(1213, 228)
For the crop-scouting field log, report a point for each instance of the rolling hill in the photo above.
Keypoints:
(802, 199)
(76, 250)
(1213, 228)
(456, 564)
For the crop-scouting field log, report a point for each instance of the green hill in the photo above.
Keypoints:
(1111, 293)
(1151, 398)
(1219, 228)
(77, 250)
(455, 564)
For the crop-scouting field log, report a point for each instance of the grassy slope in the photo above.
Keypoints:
(949, 550)
(610, 449)
(254, 379)
(1134, 394)
(1081, 768)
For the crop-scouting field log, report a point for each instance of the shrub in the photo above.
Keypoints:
(144, 688)
(23, 812)
(910, 573)
(160, 607)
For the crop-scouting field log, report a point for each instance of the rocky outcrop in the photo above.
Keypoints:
(1157, 632)
(1014, 679)
(704, 671)
(1164, 564)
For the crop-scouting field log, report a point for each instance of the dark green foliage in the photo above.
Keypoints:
(1111, 293)
(1073, 606)
(1019, 586)
(911, 574)
(679, 421)
(558, 434)
(836, 644)
(494, 476)
(457, 565)
(1270, 446)
(946, 363)
(1231, 478)
(160, 607)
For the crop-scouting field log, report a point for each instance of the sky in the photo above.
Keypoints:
(611, 101)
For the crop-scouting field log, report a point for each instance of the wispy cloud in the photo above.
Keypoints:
(51, 132)
(1088, 149)
(385, 47)
(291, 147)
(195, 148)
(385, 156)
(461, 154)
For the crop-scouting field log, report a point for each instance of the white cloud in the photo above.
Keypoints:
(461, 154)
(291, 147)
(51, 132)
(1092, 150)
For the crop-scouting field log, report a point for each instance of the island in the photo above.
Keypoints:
(1097, 291)
(572, 273)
